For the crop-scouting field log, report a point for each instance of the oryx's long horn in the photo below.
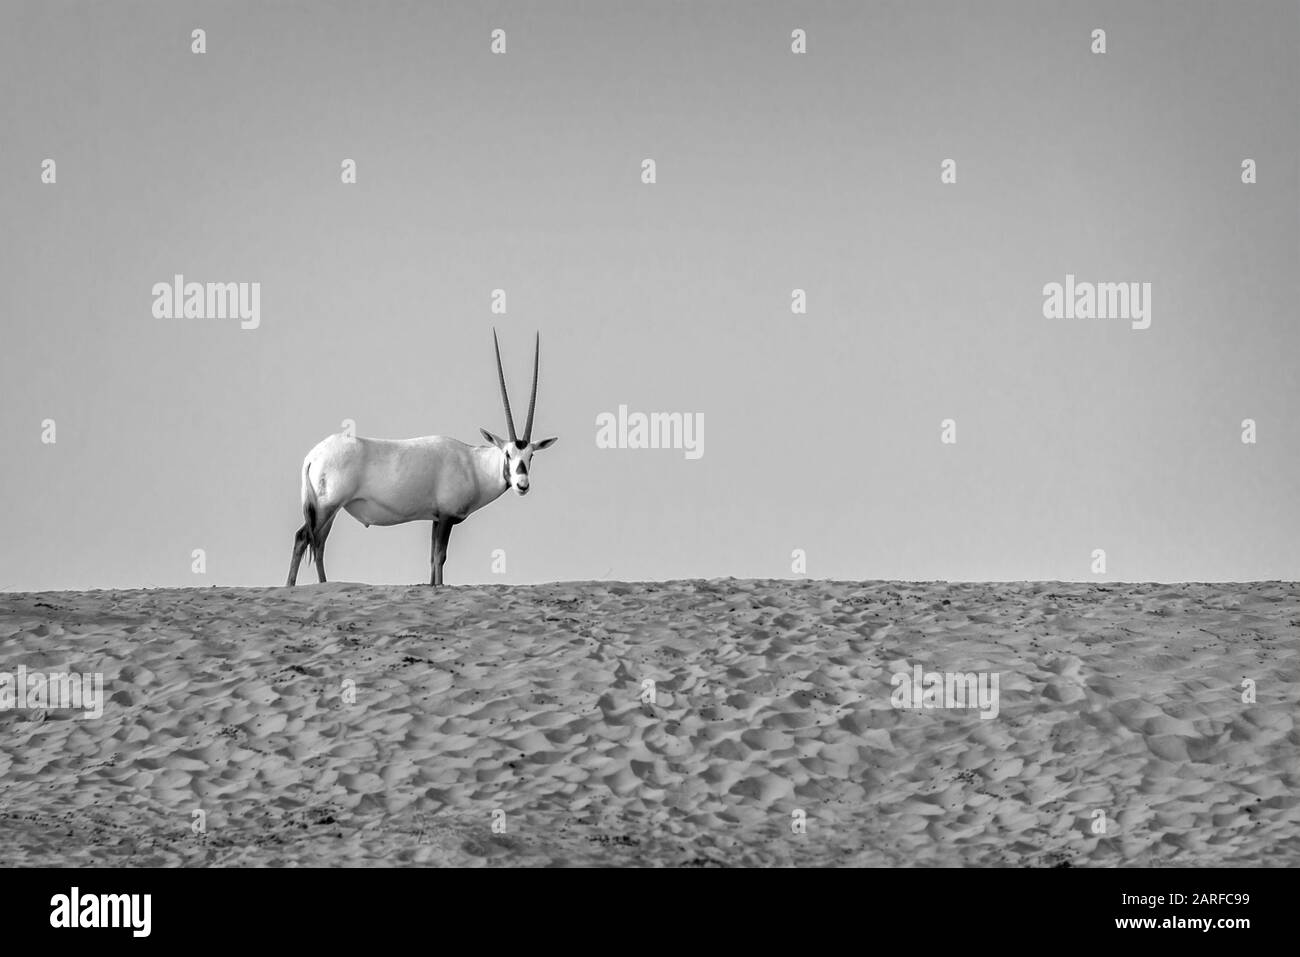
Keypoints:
(532, 401)
(510, 422)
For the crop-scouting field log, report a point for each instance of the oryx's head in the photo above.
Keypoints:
(518, 453)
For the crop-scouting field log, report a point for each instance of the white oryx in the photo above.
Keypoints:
(391, 481)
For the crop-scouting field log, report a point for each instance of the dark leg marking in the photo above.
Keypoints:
(318, 547)
(447, 525)
(433, 552)
(438, 555)
(300, 543)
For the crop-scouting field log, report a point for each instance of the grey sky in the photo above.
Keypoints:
(775, 172)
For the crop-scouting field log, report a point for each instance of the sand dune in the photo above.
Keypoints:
(771, 699)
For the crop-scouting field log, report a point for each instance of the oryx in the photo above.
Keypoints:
(391, 481)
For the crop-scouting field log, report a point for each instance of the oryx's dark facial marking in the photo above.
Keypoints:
(515, 465)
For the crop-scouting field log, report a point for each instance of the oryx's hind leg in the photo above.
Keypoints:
(301, 540)
(318, 543)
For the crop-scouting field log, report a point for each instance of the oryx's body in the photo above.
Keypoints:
(392, 481)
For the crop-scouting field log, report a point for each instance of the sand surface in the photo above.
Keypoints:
(772, 699)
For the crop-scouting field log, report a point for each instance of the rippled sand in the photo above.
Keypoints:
(772, 701)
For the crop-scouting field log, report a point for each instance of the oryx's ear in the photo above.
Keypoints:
(544, 444)
(498, 442)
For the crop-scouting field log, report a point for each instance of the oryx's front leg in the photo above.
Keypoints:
(433, 552)
(438, 553)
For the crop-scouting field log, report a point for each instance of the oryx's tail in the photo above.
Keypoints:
(309, 509)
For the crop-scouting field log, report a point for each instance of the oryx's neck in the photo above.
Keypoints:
(490, 463)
